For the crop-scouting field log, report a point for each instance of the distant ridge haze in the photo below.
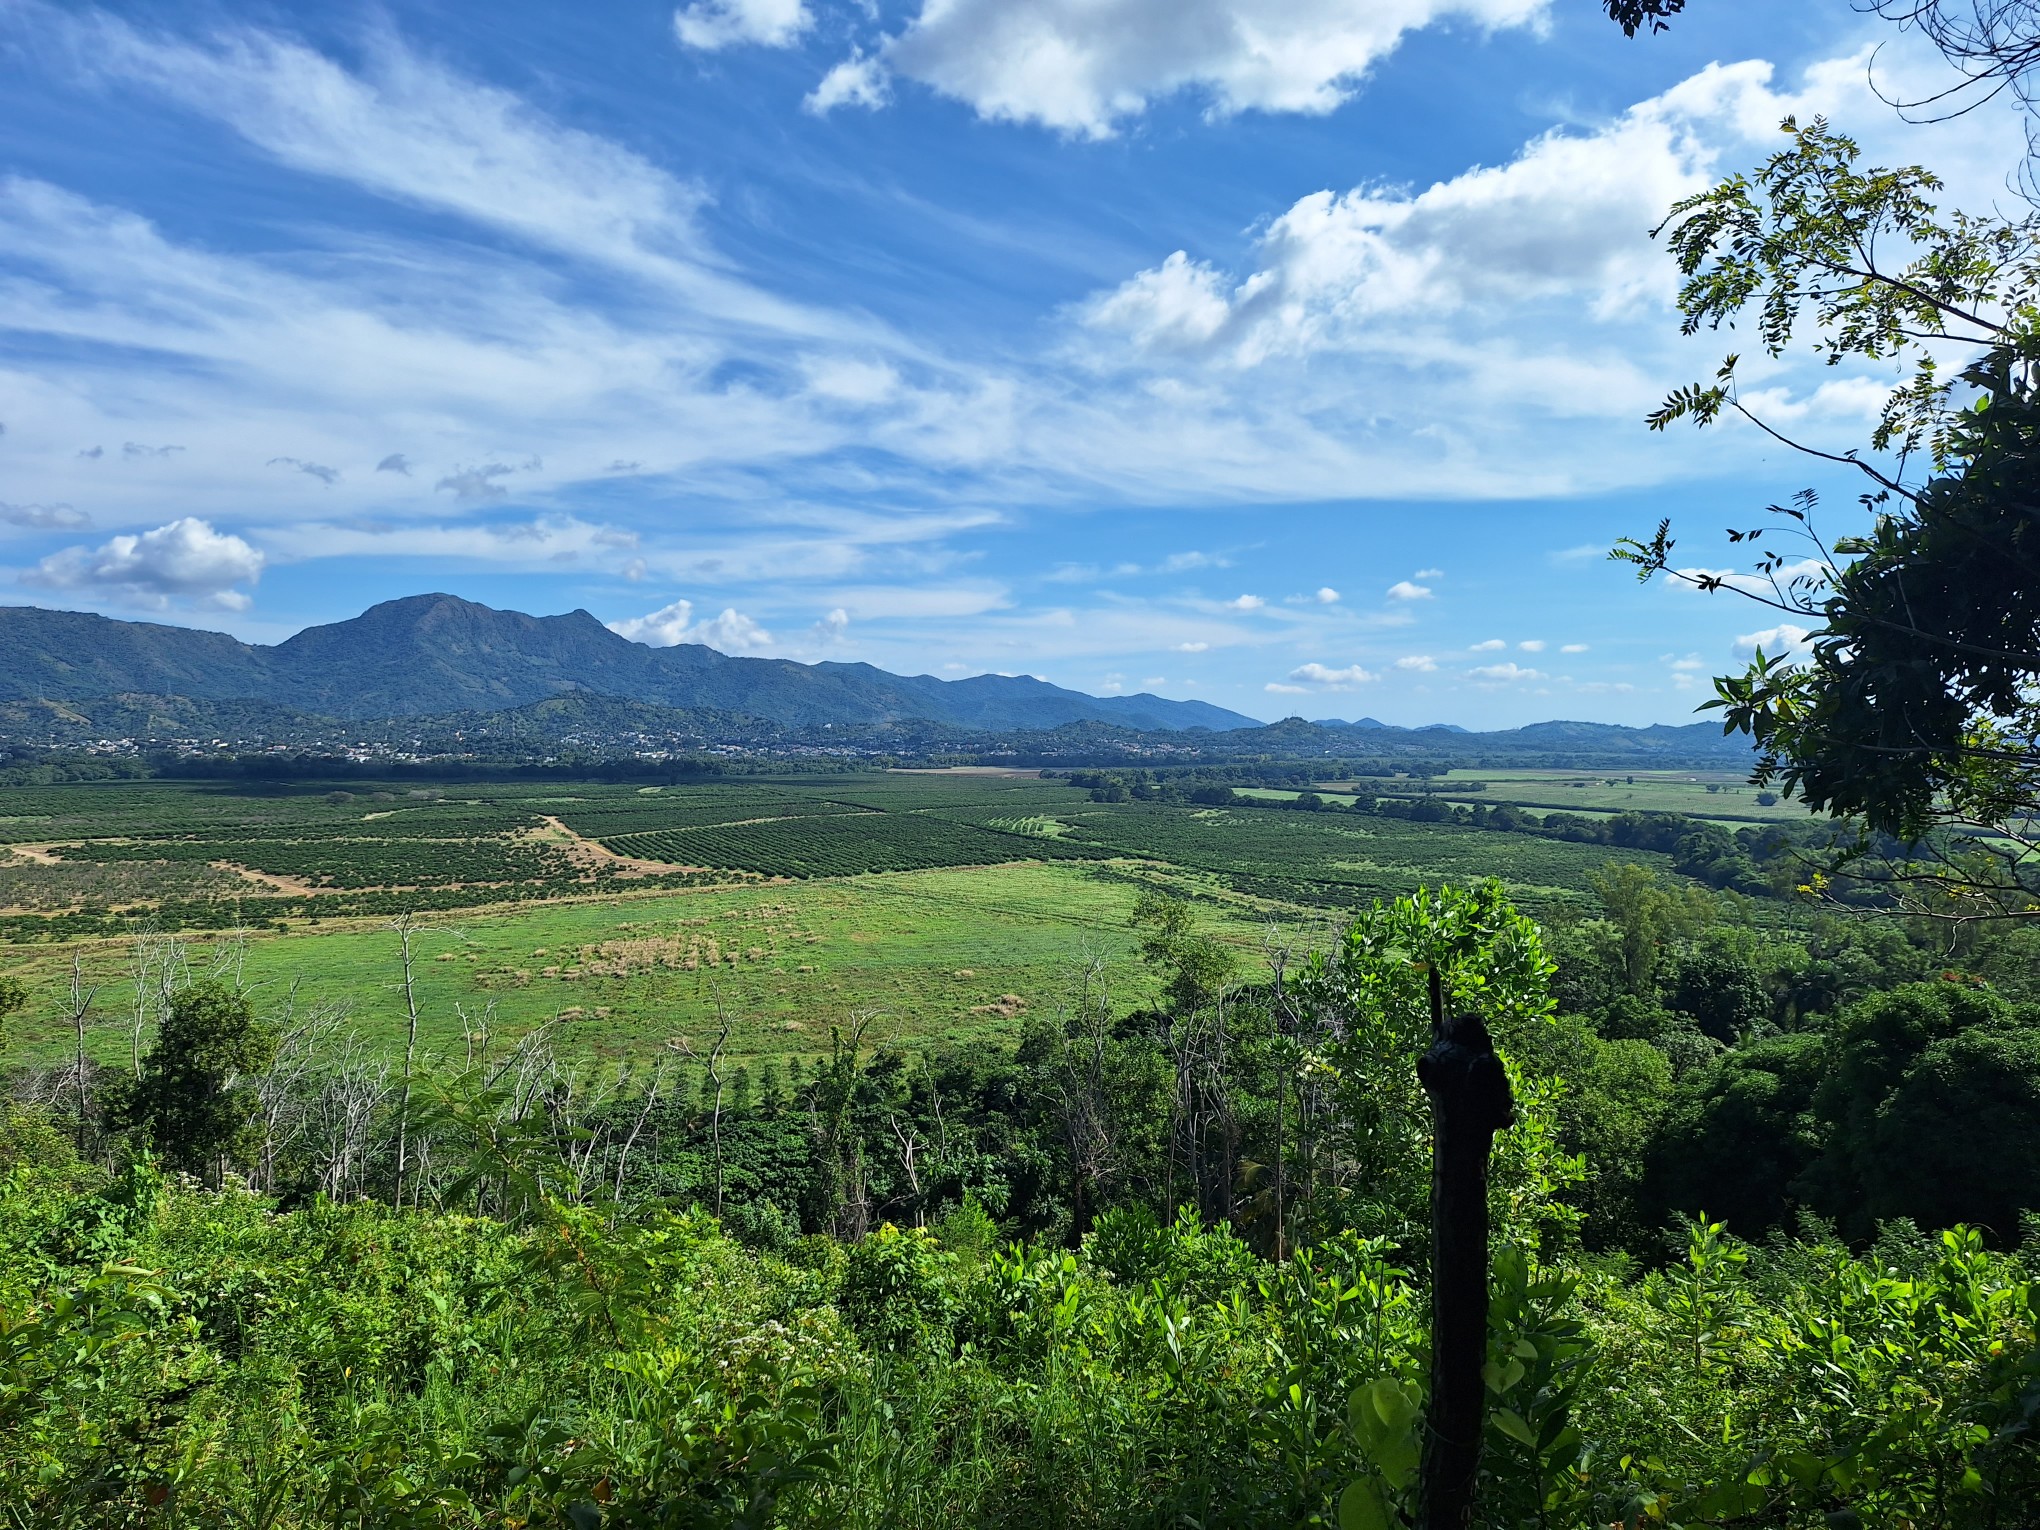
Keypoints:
(426, 655)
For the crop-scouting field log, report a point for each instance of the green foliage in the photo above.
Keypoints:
(1370, 1003)
(1914, 713)
(1194, 966)
(186, 1099)
(1739, 1136)
(898, 1287)
(1931, 1106)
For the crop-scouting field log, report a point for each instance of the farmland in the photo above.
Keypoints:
(952, 904)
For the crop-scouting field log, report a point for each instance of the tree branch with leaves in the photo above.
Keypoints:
(1910, 707)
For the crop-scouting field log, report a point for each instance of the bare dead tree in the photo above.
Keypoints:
(1082, 1108)
(79, 1008)
(646, 1104)
(407, 930)
(713, 1063)
(287, 1095)
(908, 1141)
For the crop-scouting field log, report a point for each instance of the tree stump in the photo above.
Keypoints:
(1470, 1102)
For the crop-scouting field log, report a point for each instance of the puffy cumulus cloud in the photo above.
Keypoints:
(185, 560)
(1566, 221)
(1786, 639)
(44, 517)
(1490, 645)
(1323, 677)
(1082, 67)
(1404, 589)
(1509, 673)
(1532, 645)
(1419, 663)
(712, 24)
(1192, 647)
(730, 632)
(1327, 596)
(1247, 603)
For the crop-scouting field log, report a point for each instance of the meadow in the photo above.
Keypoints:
(950, 905)
(1722, 795)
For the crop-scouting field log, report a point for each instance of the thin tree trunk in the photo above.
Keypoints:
(404, 926)
(81, 1007)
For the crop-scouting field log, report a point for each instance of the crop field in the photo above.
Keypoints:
(951, 905)
(1724, 795)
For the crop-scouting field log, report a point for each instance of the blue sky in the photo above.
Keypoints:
(1290, 354)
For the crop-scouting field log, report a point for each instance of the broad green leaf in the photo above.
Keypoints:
(1360, 1508)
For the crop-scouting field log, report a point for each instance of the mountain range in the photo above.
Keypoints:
(435, 673)
(429, 655)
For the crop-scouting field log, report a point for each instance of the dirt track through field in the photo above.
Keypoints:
(588, 852)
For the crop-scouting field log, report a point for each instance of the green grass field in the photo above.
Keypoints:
(945, 957)
(949, 903)
(1732, 799)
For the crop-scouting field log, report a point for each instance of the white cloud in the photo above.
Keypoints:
(1327, 596)
(712, 24)
(44, 517)
(731, 632)
(1491, 645)
(1404, 589)
(1506, 674)
(1429, 573)
(1810, 570)
(1690, 662)
(1192, 647)
(1532, 645)
(1279, 689)
(186, 559)
(1326, 678)
(1082, 68)
(1177, 563)
(1532, 282)
(1785, 640)
(1421, 663)
(1574, 648)
(857, 81)
(1247, 603)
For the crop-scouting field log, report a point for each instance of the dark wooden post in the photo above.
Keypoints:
(1470, 1102)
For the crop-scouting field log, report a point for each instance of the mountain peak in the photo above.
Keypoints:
(437, 653)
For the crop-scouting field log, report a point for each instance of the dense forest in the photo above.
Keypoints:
(1762, 1251)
